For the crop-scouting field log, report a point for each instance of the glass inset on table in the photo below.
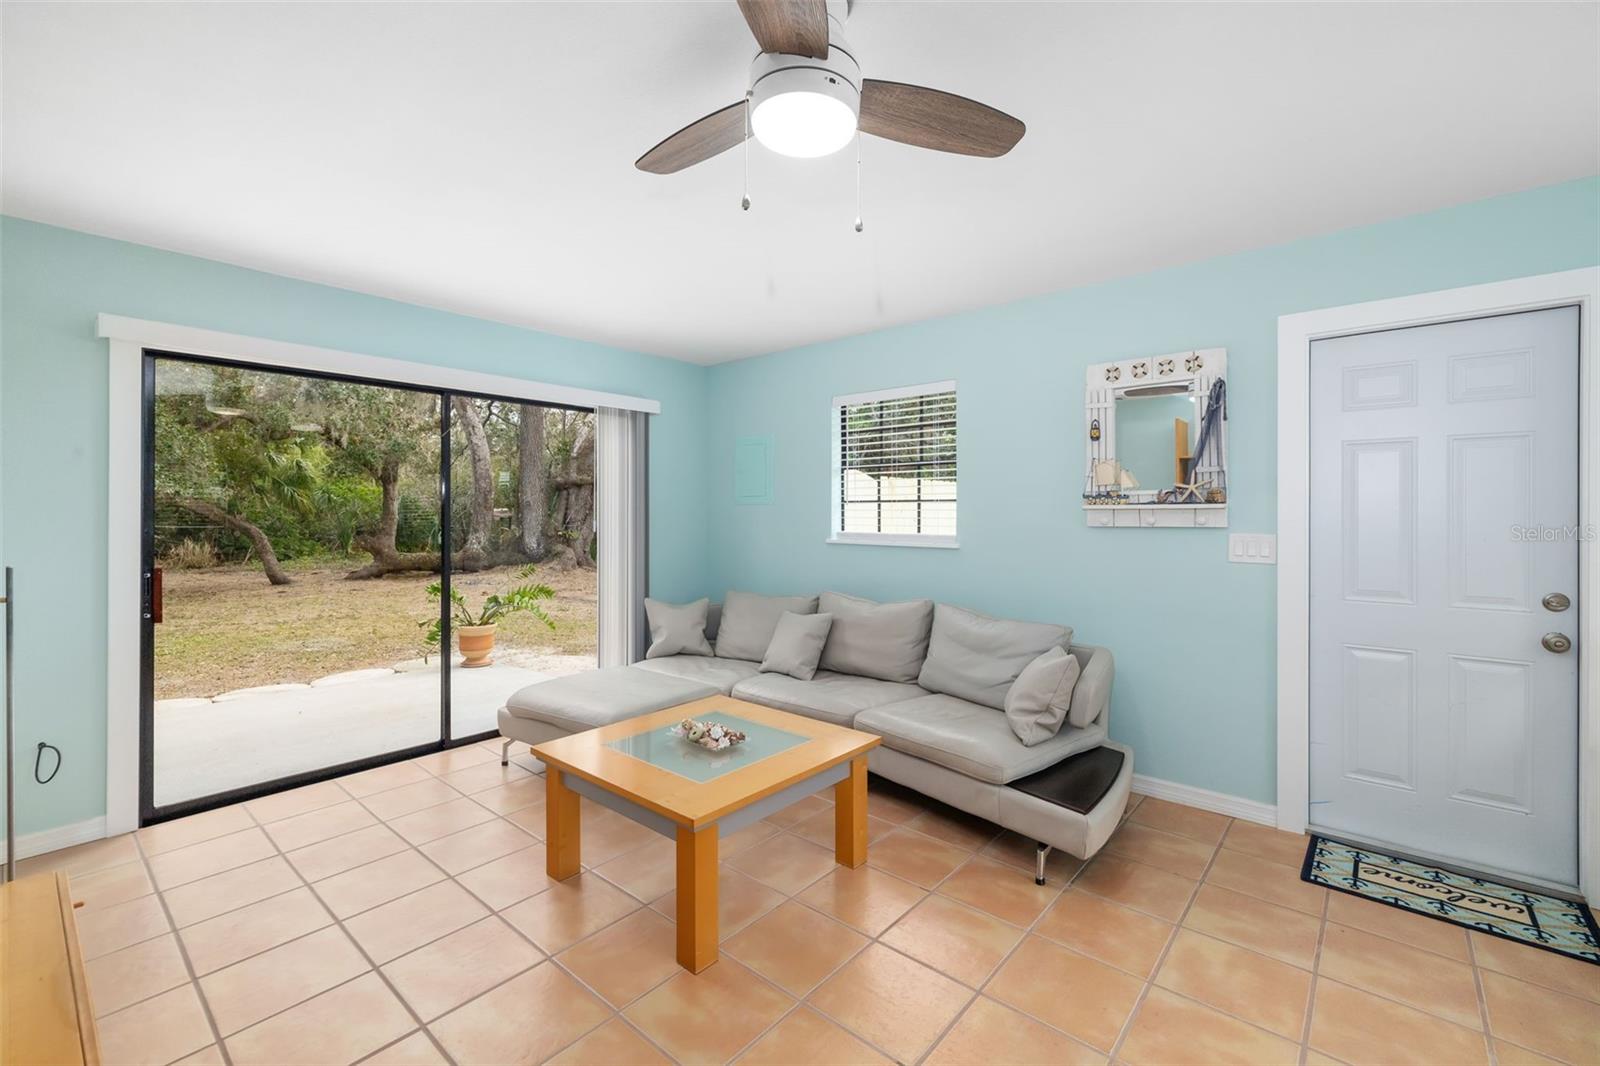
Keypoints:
(662, 749)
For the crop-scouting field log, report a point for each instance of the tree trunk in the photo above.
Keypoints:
(533, 504)
(380, 542)
(572, 521)
(475, 552)
(258, 540)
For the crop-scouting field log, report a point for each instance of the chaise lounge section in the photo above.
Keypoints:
(933, 680)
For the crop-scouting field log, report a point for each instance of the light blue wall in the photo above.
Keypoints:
(53, 426)
(1193, 634)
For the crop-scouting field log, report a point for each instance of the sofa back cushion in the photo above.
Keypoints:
(676, 629)
(797, 645)
(975, 657)
(887, 641)
(748, 622)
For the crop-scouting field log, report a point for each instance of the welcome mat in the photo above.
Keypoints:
(1531, 918)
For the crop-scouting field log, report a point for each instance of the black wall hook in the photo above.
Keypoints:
(38, 761)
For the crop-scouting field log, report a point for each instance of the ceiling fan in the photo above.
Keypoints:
(807, 98)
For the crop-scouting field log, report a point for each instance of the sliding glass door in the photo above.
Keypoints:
(521, 488)
(341, 573)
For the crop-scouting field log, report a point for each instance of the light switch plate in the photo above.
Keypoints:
(1259, 548)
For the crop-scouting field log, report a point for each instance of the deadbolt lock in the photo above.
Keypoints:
(1556, 601)
(1557, 642)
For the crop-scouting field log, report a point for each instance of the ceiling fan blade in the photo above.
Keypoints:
(793, 27)
(928, 118)
(697, 142)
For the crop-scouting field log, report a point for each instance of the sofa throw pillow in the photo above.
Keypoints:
(797, 645)
(887, 641)
(748, 622)
(1038, 700)
(976, 658)
(676, 628)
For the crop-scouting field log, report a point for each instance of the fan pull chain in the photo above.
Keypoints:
(745, 203)
(859, 227)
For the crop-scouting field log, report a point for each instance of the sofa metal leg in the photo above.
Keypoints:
(505, 752)
(1039, 855)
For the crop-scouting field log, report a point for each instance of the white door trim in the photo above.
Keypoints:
(1295, 334)
(128, 338)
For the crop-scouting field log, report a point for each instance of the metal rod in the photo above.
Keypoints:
(11, 758)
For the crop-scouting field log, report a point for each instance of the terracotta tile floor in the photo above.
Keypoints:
(403, 915)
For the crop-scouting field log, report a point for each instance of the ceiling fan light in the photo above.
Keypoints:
(803, 124)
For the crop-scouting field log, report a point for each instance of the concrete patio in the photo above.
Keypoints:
(248, 736)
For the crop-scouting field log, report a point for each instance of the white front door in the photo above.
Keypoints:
(1444, 510)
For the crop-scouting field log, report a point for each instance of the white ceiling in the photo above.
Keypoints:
(479, 157)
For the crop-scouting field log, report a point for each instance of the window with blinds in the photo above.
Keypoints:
(895, 468)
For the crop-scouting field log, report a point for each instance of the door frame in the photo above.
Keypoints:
(1296, 333)
(128, 338)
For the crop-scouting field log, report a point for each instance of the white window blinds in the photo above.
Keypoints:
(895, 475)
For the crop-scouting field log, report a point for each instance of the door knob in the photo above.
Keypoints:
(1556, 601)
(1556, 642)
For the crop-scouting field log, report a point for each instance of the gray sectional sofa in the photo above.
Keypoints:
(931, 680)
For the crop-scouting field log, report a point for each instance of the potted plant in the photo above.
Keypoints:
(475, 629)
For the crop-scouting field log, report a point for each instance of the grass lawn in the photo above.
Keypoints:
(226, 628)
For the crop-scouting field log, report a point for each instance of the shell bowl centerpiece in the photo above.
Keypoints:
(713, 736)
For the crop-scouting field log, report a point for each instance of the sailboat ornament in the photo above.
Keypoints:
(1112, 482)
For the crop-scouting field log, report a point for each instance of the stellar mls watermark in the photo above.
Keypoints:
(1553, 534)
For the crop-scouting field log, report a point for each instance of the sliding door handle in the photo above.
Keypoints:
(152, 595)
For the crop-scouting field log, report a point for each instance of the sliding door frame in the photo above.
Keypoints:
(128, 342)
(149, 812)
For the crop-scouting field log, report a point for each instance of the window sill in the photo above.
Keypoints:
(896, 540)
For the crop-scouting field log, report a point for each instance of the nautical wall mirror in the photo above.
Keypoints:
(1156, 437)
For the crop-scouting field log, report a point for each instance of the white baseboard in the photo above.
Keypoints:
(62, 836)
(1206, 800)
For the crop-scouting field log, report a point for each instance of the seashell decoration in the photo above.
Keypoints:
(713, 736)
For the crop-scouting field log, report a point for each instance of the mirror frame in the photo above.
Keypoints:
(1193, 373)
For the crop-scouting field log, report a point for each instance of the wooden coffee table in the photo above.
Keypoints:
(692, 795)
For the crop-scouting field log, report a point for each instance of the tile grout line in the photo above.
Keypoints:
(1066, 885)
(619, 1012)
(798, 1001)
(805, 1000)
(188, 963)
(980, 851)
(1166, 949)
(339, 924)
(1483, 1002)
(1311, 991)
(1027, 931)
(1127, 817)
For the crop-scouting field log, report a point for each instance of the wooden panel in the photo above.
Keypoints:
(932, 118)
(697, 897)
(850, 816)
(792, 27)
(562, 851)
(696, 803)
(45, 1015)
(698, 141)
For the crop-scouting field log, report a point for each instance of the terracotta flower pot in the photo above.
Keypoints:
(475, 642)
